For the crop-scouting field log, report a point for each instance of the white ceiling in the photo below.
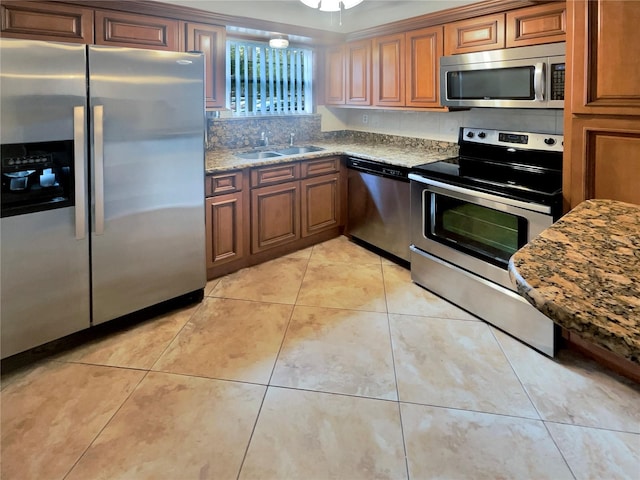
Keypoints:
(369, 13)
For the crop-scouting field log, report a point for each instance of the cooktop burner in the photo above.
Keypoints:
(524, 166)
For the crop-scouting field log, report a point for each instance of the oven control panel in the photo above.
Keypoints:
(520, 140)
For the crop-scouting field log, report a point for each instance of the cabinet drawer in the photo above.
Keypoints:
(276, 174)
(224, 183)
(322, 166)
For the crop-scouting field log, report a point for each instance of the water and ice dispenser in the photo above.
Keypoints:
(36, 177)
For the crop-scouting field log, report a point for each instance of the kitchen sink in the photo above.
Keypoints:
(282, 152)
(297, 150)
(258, 155)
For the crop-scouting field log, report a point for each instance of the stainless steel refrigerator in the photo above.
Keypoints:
(102, 185)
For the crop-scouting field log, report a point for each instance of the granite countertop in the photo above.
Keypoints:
(407, 156)
(583, 272)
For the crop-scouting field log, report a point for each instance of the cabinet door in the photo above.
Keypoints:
(424, 49)
(388, 70)
(538, 24)
(320, 204)
(603, 160)
(136, 31)
(334, 76)
(275, 216)
(358, 75)
(47, 21)
(210, 40)
(224, 223)
(605, 46)
(474, 35)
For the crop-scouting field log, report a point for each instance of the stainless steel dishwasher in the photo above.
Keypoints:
(378, 205)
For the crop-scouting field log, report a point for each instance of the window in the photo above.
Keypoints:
(263, 80)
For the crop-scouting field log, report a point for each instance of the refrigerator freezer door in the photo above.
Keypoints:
(45, 269)
(148, 245)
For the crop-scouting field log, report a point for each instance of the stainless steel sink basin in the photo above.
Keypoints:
(258, 155)
(297, 150)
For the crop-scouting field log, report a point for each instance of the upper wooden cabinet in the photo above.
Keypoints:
(210, 40)
(602, 112)
(347, 74)
(47, 21)
(423, 51)
(389, 70)
(137, 31)
(605, 51)
(538, 24)
(474, 35)
(358, 73)
(535, 25)
(334, 76)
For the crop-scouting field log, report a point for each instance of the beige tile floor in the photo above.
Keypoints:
(324, 364)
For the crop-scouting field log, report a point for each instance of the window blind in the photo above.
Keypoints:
(263, 80)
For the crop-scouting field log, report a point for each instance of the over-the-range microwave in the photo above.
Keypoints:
(521, 77)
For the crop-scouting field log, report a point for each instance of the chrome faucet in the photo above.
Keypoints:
(264, 139)
(291, 137)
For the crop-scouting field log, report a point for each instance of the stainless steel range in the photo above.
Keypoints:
(469, 214)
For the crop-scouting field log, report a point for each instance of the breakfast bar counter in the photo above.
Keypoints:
(583, 272)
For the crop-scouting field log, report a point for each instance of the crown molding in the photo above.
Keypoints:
(455, 14)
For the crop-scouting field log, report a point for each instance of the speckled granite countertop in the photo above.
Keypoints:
(407, 156)
(584, 273)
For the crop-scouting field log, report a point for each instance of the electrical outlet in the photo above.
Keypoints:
(365, 118)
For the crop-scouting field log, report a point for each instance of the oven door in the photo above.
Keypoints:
(473, 230)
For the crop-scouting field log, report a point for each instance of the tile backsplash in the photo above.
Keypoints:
(388, 126)
(245, 132)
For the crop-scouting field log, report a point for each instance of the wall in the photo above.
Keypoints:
(440, 125)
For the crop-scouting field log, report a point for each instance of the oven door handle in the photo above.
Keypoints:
(471, 195)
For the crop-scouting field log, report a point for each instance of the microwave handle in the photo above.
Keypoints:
(538, 82)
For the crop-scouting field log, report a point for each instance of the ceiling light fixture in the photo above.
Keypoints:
(331, 5)
(281, 41)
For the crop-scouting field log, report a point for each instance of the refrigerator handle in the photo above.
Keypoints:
(98, 156)
(79, 156)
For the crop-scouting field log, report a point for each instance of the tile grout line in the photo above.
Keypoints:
(106, 424)
(266, 390)
(526, 391)
(395, 375)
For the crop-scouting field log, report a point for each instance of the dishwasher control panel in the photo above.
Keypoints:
(378, 168)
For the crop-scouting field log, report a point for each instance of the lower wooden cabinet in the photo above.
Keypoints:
(257, 214)
(225, 228)
(275, 216)
(320, 204)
